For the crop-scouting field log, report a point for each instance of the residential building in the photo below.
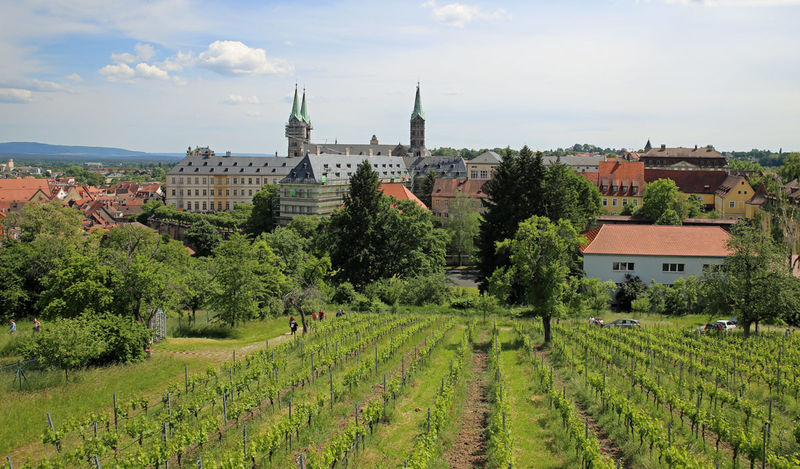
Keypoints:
(482, 166)
(316, 185)
(445, 191)
(736, 199)
(660, 253)
(620, 182)
(702, 183)
(702, 158)
(205, 182)
(15, 193)
(581, 164)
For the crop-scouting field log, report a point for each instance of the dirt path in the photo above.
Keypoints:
(470, 445)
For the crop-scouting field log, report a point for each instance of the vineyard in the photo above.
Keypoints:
(438, 391)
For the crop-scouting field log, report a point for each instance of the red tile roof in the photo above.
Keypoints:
(22, 189)
(447, 187)
(592, 176)
(658, 240)
(616, 174)
(689, 182)
(399, 192)
(728, 184)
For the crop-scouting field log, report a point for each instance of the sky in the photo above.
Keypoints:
(162, 75)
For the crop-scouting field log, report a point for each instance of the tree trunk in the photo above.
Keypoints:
(746, 327)
(302, 314)
(548, 336)
(194, 318)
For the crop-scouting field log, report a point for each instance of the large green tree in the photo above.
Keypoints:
(265, 208)
(514, 194)
(659, 196)
(424, 189)
(791, 168)
(462, 224)
(204, 237)
(754, 282)
(570, 196)
(237, 284)
(542, 254)
(371, 238)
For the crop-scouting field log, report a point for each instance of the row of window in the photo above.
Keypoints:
(615, 201)
(243, 181)
(473, 174)
(219, 192)
(630, 267)
(197, 206)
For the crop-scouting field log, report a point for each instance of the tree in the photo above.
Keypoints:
(197, 285)
(542, 255)
(628, 291)
(65, 344)
(668, 217)
(570, 196)
(371, 239)
(424, 189)
(236, 283)
(513, 195)
(146, 271)
(77, 284)
(659, 196)
(791, 168)
(486, 304)
(754, 282)
(265, 203)
(204, 237)
(462, 224)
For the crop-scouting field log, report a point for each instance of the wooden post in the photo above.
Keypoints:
(429, 420)
(53, 429)
(116, 424)
(244, 439)
(186, 378)
(330, 375)
(225, 407)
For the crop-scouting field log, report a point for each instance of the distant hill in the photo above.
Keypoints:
(34, 148)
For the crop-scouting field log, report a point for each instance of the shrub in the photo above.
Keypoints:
(424, 290)
(344, 294)
(464, 302)
(628, 291)
(207, 330)
(641, 304)
(388, 290)
(365, 304)
(87, 340)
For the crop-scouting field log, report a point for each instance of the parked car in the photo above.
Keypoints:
(715, 326)
(629, 323)
(728, 325)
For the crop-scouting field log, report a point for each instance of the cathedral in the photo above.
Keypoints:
(299, 127)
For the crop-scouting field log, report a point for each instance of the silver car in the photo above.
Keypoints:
(629, 323)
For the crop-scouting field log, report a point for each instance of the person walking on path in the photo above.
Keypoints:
(36, 325)
(321, 315)
(292, 325)
(12, 328)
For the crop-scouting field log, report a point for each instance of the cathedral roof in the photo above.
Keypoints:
(417, 107)
(296, 107)
(328, 169)
(304, 111)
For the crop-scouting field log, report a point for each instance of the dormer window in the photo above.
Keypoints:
(219, 164)
(205, 163)
(235, 163)
(190, 163)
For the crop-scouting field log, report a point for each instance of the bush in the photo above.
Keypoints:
(425, 290)
(628, 291)
(207, 330)
(344, 294)
(74, 343)
(364, 304)
(464, 302)
(388, 290)
(641, 304)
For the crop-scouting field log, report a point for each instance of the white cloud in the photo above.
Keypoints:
(144, 51)
(236, 99)
(34, 84)
(75, 78)
(15, 95)
(177, 63)
(253, 113)
(123, 58)
(458, 14)
(736, 3)
(236, 58)
(128, 74)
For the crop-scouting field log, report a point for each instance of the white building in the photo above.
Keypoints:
(652, 252)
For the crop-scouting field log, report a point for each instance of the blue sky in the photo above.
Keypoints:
(165, 74)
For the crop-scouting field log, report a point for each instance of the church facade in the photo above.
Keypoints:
(299, 127)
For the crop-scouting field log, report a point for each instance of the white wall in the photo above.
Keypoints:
(645, 267)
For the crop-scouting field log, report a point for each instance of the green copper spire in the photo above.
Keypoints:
(417, 107)
(295, 107)
(303, 111)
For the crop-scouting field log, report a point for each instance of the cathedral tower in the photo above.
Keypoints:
(417, 142)
(298, 129)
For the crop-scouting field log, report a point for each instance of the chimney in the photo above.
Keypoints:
(227, 153)
(710, 148)
(663, 147)
(347, 151)
(695, 147)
